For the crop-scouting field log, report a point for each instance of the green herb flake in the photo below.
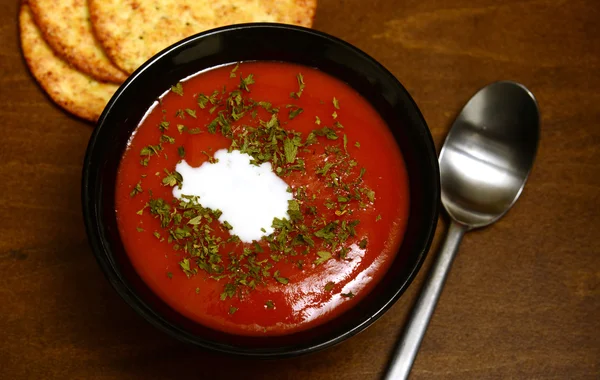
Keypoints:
(172, 178)
(323, 257)
(294, 112)
(329, 286)
(325, 168)
(169, 274)
(347, 295)
(191, 112)
(163, 126)
(181, 128)
(336, 104)
(362, 244)
(344, 252)
(185, 267)
(370, 195)
(357, 144)
(378, 218)
(228, 292)
(139, 229)
(327, 232)
(334, 115)
(212, 126)
(345, 143)
(257, 248)
(326, 132)
(195, 220)
(362, 173)
(245, 82)
(227, 226)
(136, 189)
(301, 86)
(181, 151)
(290, 149)
(149, 151)
(269, 304)
(317, 120)
(168, 139)
(281, 280)
(232, 72)
(197, 290)
(202, 100)
(178, 89)
(179, 113)
(232, 310)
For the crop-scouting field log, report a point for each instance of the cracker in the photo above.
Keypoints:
(66, 27)
(76, 92)
(132, 31)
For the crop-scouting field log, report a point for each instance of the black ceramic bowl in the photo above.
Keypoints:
(251, 42)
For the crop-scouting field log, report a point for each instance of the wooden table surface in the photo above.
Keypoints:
(522, 300)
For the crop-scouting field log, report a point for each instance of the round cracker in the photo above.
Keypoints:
(132, 31)
(74, 91)
(66, 27)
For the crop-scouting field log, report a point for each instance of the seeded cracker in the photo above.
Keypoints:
(133, 31)
(70, 89)
(66, 27)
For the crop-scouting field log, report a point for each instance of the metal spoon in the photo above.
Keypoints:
(484, 165)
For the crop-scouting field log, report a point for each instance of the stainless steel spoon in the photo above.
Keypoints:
(484, 165)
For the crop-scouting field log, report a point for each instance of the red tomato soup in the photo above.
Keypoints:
(345, 222)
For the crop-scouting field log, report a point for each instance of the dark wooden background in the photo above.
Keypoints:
(522, 300)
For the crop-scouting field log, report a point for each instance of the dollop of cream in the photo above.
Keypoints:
(249, 196)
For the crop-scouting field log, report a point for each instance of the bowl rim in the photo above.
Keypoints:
(105, 258)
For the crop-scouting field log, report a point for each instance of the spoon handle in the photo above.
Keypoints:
(408, 347)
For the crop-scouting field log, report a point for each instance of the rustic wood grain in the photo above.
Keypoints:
(523, 298)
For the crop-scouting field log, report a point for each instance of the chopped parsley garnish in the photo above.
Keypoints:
(191, 112)
(178, 89)
(323, 257)
(281, 280)
(202, 101)
(294, 111)
(136, 189)
(232, 72)
(301, 85)
(245, 82)
(336, 104)
(167, 139)
(172, 179)
(317, 228)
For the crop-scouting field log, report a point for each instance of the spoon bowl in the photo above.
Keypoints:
(488, 154)
(484, 164)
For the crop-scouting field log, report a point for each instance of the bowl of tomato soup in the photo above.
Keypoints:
(261, 189)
